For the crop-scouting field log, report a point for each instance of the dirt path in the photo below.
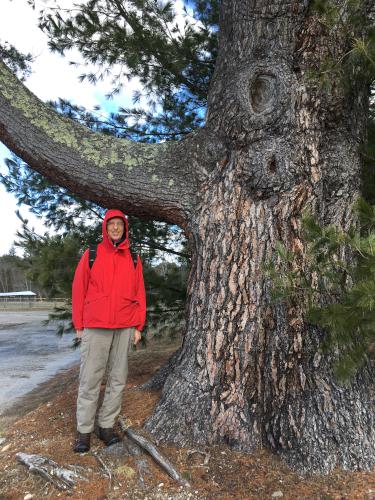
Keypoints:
(30, 353)
(44, 423)
(12, 318)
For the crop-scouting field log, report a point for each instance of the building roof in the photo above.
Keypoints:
(25, 293)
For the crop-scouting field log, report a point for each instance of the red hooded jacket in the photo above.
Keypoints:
(111, 294)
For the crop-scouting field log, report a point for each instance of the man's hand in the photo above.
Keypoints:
(137, 337)
(79, 333)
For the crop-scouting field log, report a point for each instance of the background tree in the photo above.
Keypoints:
(274, 142)
(12, 277)
(18, 62)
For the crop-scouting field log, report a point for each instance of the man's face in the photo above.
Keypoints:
(115, 228)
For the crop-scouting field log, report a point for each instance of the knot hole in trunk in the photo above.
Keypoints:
(272, 164)
(262, 93)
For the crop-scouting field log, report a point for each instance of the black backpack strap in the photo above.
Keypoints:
(92, 254)
(134, 258)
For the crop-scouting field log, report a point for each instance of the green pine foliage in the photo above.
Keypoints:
(336, 287)
(173, 57)
(166, 283)
(49, 261)
(60, 209)
(351, 21)
(18, 62)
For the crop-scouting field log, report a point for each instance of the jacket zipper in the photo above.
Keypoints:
(114, 292)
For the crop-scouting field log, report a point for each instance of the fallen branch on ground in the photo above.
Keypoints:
(105, 467)
(63, 479)
(154, 452)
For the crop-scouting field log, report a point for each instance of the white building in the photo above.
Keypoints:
(25, 295)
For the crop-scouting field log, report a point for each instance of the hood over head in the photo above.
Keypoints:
(110, 214)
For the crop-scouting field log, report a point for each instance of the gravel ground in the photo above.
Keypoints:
(12, 318)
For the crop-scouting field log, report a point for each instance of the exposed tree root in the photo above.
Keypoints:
(154, 452)
(156, 382)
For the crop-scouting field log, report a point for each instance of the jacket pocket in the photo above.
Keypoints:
(128, 312)
(126, 302)
(96, 310)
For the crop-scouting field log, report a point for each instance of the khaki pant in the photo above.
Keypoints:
(100, 346)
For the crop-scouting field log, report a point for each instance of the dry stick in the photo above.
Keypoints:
(154, 452)
(106, 469)
(63, 479)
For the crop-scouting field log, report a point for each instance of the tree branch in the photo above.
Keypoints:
(156, 181)
(156, 246)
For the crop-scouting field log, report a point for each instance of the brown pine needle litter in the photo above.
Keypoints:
(43, 423)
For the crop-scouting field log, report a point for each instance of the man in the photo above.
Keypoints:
(109, 309)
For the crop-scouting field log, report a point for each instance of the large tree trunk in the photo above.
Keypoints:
(250, 373)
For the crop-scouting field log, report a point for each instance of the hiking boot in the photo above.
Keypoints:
(108, 436)
(82, 444)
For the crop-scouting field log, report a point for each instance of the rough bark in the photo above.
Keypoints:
(157, 381)
(249, 374)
